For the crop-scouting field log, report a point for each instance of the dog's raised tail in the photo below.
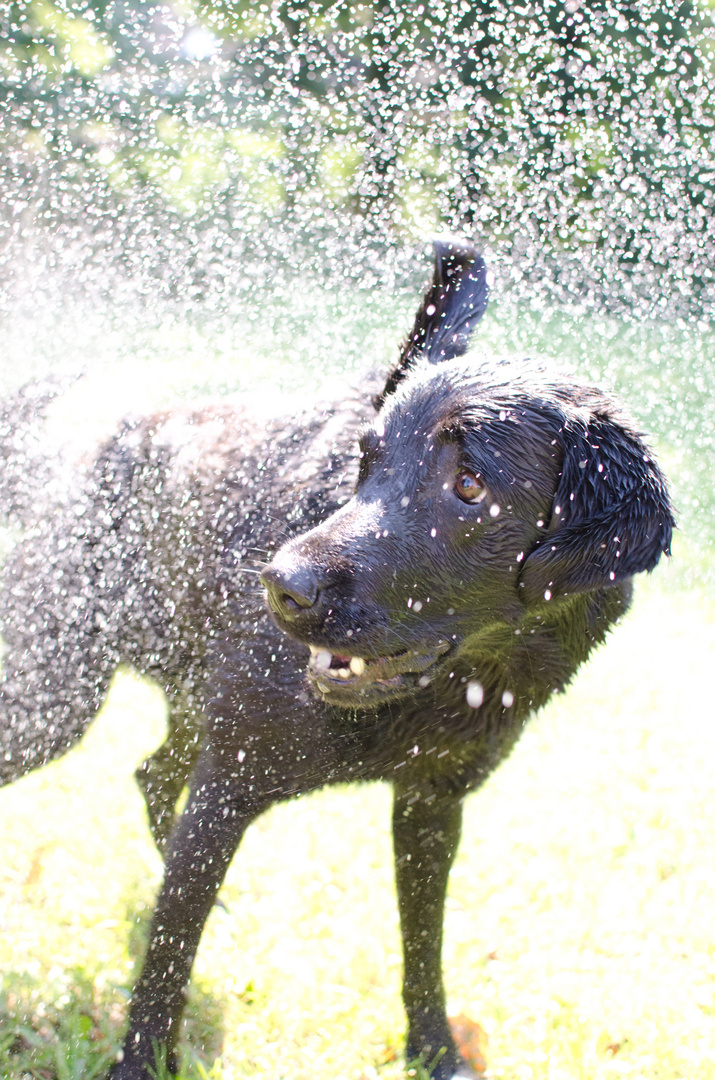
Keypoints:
(452, 306)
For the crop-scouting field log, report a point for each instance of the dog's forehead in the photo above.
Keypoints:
(503, 420)
(471, 393)
(448, 400)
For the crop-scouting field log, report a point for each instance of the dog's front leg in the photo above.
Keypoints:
(426, 829)
(200, 850)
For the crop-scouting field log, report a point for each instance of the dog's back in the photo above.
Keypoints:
(149, 558)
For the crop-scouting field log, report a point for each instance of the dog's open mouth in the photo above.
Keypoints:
(339, 676)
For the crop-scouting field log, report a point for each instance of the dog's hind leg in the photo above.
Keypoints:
(59, 659)
(426, 829)
(163, 775)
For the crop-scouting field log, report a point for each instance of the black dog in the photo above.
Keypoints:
(498, 515)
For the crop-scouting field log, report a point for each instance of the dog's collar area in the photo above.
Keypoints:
(333, 673)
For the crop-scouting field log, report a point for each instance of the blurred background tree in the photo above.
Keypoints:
(574, 138)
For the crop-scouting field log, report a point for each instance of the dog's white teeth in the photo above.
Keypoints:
(321, 658)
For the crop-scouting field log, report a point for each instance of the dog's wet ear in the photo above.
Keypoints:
(452, 306)
(611, 515)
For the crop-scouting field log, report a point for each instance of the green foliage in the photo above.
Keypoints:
(160, 1071)
(66, 1038)
(557, 127)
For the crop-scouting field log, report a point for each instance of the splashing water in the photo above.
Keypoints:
(169, 173)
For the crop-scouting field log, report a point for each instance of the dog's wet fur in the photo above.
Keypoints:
(441, 582)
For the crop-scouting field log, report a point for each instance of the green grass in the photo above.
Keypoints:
(579, 927)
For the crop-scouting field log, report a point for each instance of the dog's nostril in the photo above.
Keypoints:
(290, 593)
(295, 603)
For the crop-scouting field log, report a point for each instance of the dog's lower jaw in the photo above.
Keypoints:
(358, 683)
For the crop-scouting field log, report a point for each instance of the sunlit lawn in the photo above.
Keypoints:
(579, 929)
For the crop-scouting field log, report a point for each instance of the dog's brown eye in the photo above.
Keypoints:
(469, 487)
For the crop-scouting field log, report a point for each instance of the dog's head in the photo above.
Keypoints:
(484, 493)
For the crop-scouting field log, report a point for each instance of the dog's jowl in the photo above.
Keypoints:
(461, 538)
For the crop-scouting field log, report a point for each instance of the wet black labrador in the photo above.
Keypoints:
(439, 586)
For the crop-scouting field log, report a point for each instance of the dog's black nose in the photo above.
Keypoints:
(291, 592)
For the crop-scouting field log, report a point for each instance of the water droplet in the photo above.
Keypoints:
(475, 694)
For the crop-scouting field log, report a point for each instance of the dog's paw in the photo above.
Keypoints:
(470, 1038)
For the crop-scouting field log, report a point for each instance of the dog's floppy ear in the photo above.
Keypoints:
(611, 514)
(452, 306)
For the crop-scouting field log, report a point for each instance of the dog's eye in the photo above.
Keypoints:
(469, 487)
